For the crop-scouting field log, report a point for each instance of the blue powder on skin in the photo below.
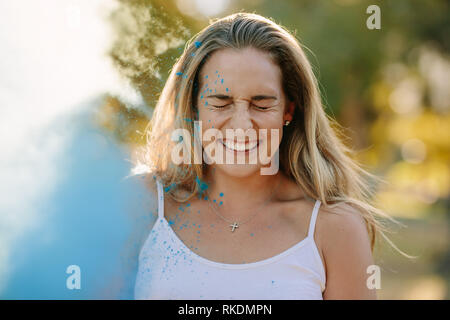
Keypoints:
(173, 184)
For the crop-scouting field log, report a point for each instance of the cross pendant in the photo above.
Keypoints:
(234, 226)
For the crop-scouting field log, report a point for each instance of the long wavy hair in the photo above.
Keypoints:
(311, 152)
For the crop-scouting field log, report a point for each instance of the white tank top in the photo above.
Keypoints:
(168, 269)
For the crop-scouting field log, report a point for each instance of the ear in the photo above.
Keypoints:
(289, 114)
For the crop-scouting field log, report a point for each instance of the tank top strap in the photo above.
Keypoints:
(160, 199)
(312, 221)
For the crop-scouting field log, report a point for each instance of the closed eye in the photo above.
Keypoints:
(219, 107)
(226, 105)
(261, 108)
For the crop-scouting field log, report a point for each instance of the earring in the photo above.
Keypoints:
(286, 123)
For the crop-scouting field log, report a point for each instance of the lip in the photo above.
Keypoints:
(258, 142)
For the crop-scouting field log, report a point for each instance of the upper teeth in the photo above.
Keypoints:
(239, 146)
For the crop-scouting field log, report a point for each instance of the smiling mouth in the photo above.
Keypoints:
(240, 146)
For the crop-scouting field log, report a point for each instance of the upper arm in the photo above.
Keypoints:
(347, 253)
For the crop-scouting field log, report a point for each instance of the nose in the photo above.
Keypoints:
(241, 118)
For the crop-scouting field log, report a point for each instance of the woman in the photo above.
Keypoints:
(228, 230)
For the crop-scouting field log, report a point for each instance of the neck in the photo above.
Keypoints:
(240, 194)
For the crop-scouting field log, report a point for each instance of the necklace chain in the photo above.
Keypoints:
(235, 224)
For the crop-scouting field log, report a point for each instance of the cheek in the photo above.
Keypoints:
(270, 120)
(206, 118)
(273, 122)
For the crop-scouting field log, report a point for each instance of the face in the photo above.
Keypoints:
(242, 89)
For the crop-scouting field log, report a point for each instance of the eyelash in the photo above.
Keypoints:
(259, 108)
(220, 107)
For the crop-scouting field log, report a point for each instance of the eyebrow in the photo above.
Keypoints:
(256, 98)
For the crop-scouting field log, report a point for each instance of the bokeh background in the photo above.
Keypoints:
(78, 83)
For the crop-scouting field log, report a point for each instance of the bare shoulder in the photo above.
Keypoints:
(150, 183)
(341, 228)
(340, 221)
(344, 245)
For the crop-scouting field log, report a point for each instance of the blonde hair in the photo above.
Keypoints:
(310, 152)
